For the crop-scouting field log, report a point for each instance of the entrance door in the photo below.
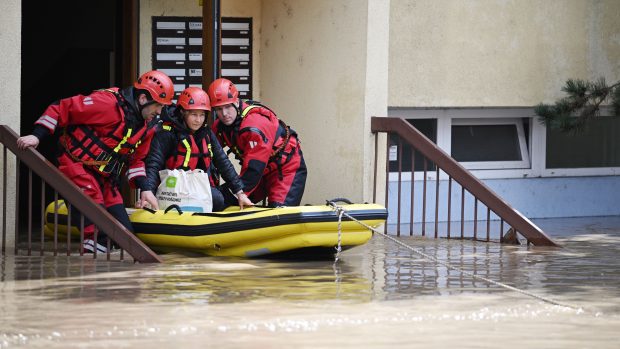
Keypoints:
(69, 47)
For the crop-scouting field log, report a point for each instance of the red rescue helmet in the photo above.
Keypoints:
(222, 92)
(194, 98)
(158, 85)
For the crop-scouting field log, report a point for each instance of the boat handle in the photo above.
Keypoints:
(345, 200)
(175, 207)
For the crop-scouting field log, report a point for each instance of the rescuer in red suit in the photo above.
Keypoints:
(272, 164)
(102, 136)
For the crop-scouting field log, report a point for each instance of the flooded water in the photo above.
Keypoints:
(377, 296)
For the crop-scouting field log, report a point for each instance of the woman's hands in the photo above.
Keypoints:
(147, 198)
(244, 201)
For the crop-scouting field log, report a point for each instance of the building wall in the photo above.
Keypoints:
(454, 53)
(184, 8)
(488, 54)
(249, 8)
(315, 74)
(10, 69)
(376, 95)
(326, 67)
(10, 72)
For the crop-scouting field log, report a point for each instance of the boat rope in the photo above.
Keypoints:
(342, 212)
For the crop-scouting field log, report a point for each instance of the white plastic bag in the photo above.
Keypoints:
(190, 190)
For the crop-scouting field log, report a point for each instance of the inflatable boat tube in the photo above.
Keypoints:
(252, 232)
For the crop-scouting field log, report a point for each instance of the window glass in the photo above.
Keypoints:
(490, 143)
(428, 127)
(598, 145)
(485, 143)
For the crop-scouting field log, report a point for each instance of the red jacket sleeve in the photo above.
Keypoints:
(96, 109)
(136, 173)
(256, 136)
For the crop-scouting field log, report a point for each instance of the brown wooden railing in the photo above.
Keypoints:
(432, 154)
(50, 176)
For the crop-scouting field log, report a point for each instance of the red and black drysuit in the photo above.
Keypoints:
(101, 136)
(272, 164)
(174, 146)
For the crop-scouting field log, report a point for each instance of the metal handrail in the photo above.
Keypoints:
(94, 212)
(455, 170)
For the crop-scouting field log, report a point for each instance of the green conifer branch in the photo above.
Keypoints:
(582, 103)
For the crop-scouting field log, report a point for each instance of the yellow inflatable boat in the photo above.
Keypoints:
(253, 232)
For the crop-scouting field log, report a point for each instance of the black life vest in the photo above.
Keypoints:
(187, 154)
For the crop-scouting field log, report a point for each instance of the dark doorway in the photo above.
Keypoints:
(68, 47)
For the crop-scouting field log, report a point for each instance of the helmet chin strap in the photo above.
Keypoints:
(237, 108)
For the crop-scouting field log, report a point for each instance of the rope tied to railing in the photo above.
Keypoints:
(342, 212)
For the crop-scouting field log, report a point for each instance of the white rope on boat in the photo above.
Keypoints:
(342, 212)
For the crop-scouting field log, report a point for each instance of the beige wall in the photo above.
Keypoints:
(10, 73)
(313, 74)
(191, 8)
(376, 95)
(10, 69)
(498, 53)
(248, 8)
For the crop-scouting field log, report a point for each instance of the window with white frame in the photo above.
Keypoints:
(512, 143)
(488, 143)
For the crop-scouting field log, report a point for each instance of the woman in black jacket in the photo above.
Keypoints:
(184, 142)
